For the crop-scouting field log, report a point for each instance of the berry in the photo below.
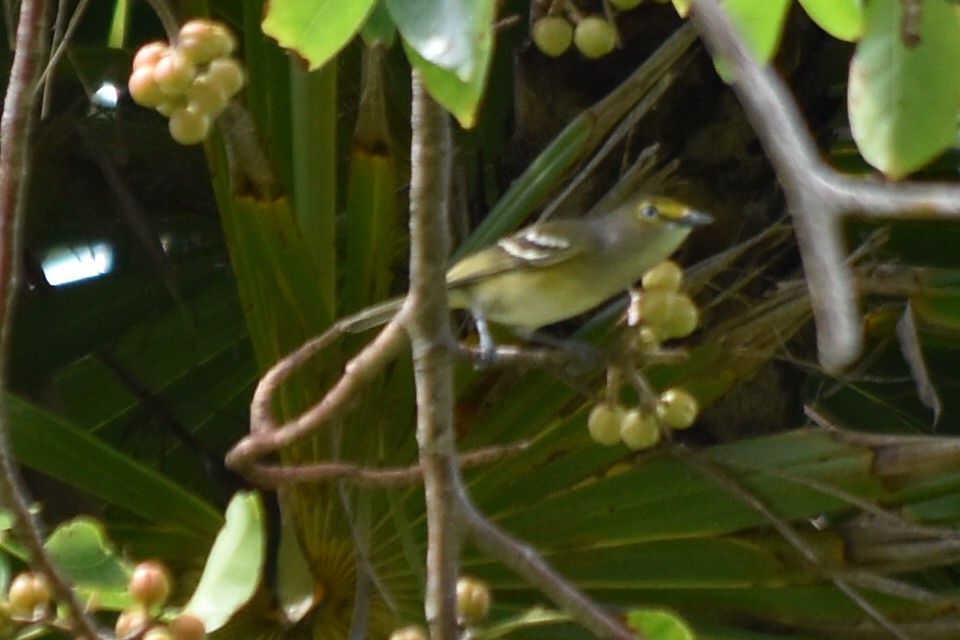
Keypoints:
(647, 339)
(204, 40)
(150, 584)
(639, 430)
(228, 74)
(158, 632)
(667, 276)
(604, 423)
(552, 34)
(473, 600)
(677, 408)
(206, 96)
(149, 54)
(131, 621)
(595, 37)
(656, 306)
(188, 126)
(143, 89)
(169, 106)
(29, 595)
(174, 72)
(409, 633)
(187, 627)
(669, 314)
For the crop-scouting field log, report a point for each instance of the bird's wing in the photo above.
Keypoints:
(531, 248)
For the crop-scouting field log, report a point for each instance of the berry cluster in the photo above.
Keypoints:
(593, 35)
(150, 586)
(662, 312)
(610, 423)
(29, 602)
(190, 82)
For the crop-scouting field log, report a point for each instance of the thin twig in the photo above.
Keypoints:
(267, 436)
(15, 127)
(524, 560)
(61, 39)
(819, 199)
(431, 342)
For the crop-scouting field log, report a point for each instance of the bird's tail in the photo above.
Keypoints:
(371, 317)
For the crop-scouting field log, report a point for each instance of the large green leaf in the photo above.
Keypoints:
(235, 565)
(904, 89)
(842, 19)
(57, 448)
(456, 35)
(316, 30)
(760, 24)
(82, 550)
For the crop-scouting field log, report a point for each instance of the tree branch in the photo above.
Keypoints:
(819, 199)
(15, 127)
(432, 345)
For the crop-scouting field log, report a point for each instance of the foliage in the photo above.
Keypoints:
(130, 387)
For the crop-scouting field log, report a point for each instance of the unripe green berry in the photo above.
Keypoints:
(647, 339)
(187, 627)
(150, 584)
(174, 72)
(656, 306)
(552, 34)
(677, 408)
(143, 89)
(684, 317)
(188, 126)
(669, 314)
(473, 600)
(639, 430)
(595, 37)
(149, 54)
(666, 276)
(228, 74)
(604, 423)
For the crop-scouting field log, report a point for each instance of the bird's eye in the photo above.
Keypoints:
(649, 212)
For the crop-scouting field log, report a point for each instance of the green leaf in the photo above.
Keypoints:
(903, 93)
(760, 24)
(843, 19)
(88, 558)
(315, 29)
(659, 624)
(234, 566)
(455, 35)
(57, 448)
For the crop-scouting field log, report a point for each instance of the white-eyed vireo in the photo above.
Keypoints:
(555, 270)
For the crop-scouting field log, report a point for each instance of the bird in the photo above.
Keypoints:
(554, 270)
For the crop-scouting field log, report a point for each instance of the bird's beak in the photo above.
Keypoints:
(694, 218)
